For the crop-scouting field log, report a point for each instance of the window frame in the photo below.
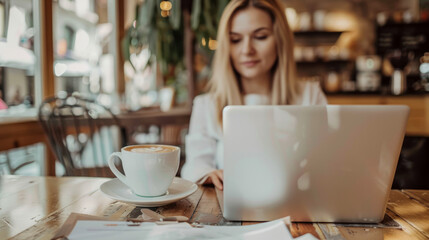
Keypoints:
(44, 78)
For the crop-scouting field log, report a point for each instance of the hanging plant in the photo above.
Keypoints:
(205, 20)
(159, 30)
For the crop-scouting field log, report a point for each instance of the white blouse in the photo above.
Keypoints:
(204, 143)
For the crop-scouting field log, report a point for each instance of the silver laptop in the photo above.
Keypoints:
(313, 163)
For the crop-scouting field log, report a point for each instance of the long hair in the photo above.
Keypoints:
(224, 84)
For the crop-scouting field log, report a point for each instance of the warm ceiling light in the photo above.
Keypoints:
(165, 5)
(165, 13)
(212, 44)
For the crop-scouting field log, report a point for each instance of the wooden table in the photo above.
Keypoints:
(35, 208)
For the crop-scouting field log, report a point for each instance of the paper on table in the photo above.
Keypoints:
(105, 230)
(268, 230)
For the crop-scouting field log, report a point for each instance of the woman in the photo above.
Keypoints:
(253, 64)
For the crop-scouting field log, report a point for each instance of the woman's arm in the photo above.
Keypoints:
(200, 145)
(215, 178)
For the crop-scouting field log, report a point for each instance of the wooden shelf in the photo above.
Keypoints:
(318, 33)
(418, 121)
(323, 62)
(317, 37)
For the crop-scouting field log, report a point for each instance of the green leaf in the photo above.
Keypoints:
(196, 12)
(175, 14)
(208, 19)
(221, 4)
(164, 67)
(147, 10)
(153, 42)
(125, 46)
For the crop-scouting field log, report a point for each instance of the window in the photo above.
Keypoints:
(18, 61)
(84, 48)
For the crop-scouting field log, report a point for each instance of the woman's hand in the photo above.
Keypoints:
(215, 178)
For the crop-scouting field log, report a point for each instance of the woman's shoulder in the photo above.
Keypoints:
(306, 87)
(203, 101)
(205, 98)
(310, 93)
(203, 117)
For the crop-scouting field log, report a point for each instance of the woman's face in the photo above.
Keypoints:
(253, 46)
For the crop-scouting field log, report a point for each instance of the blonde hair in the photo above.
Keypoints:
(224, 84)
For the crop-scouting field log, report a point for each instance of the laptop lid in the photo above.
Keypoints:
(313, 163)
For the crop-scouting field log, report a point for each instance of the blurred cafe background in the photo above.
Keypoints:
(144, 61)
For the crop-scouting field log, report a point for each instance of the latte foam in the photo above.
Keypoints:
(150, 149)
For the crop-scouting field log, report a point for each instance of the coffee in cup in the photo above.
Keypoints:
(150, 148)
(149, 169)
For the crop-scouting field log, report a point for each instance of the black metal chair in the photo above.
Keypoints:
(82, 134)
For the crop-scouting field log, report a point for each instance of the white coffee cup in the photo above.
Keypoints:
(149, 169)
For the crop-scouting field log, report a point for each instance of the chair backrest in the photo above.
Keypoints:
(81, 133)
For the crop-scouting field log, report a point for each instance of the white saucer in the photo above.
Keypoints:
(179, 189)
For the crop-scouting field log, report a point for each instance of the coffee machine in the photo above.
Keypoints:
(368, 73)
(424, 71)
(401, 46)
(398, 59)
